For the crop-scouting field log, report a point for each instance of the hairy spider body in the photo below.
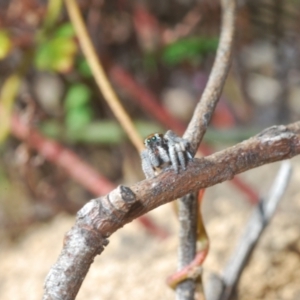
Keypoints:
(164, 150)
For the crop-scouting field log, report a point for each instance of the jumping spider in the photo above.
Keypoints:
(164, 150)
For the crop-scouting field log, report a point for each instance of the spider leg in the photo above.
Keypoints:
(189, 155)
(147, 165)
(181, 146)
(186, 145)
(163, 154)
(173, 157)
(171, 136)
(180, 154)
(164, 150)
(154, 160)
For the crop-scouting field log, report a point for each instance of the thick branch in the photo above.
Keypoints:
(99, 218)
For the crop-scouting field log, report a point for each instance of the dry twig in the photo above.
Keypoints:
(101, 217)
(221, 288)
(209, 99)
(188, 216)
(257, 223)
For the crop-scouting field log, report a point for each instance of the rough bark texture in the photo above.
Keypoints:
(99, 218)
(188, 211)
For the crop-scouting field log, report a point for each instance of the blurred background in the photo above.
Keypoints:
(61, 145)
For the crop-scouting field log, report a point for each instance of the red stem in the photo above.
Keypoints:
(80, 171)
(68, 160)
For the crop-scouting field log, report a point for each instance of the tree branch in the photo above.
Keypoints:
(101, 217)
(209, 99)
(188, 216)
(222, 287)
(188, 219)
(258, 221)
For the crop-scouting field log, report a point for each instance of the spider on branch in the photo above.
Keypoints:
(163, 151)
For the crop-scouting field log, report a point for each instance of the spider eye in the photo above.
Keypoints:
(153, 138)
(148, 141)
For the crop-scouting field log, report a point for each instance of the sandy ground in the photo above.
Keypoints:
(135, 264)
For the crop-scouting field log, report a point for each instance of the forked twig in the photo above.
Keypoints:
(98, 219)
(101, 217)
(188, 218)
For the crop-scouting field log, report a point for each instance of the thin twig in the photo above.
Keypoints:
(185, 290)
(286, 56)
(209, 99)
(101, 217)
(253, 230)
(148, 102)
(99, 75)
(188, 219)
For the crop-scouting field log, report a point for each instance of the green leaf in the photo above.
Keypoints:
(78, 95)
(8, 94)
(5, 44)
(65, 31)
(84, 68)
(100, 132)
(104, 132)
(78, 111)
(188, 49)
(56, 55)
(53, 12)
(52, 128)
(78, 118)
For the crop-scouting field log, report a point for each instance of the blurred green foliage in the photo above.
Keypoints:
(5, 44)
(57, 51)
(106, 132)
(84, 68)
(77, 107)
(189, 49)
(53, 11)
(8, 94)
